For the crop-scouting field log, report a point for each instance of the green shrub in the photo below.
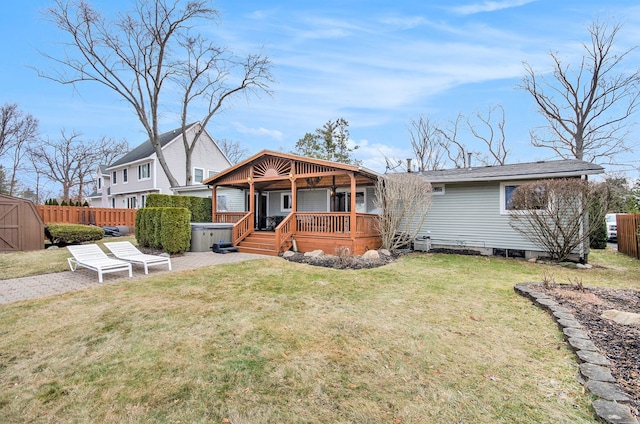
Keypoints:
(176, 231)
(72, 233)
(599, 237)
(141, 228)
(159, 201)
(200, 209)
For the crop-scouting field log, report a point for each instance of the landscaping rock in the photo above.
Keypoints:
(621, 317)
(384, 252)
(314, 254)
(584, 266)
(607, 391)
(596, 372)
(570, 265)
(613, 412)
(371, 254)
(288, 254)
(569, 323)
(593, 358)
(576, 332)
(582, 344)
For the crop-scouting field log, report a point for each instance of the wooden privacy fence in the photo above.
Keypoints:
(628, 234)
(90, 216)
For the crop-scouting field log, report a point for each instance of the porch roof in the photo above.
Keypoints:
(270, 170)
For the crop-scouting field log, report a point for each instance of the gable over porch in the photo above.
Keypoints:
(298, 202)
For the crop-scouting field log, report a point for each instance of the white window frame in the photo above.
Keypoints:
(113, 203)
(132, 202)
(211, 173)
(143, 200)
(140, 168)
(221, 199)
(114, 178)
(348, 198)
(125, 176)
(100, 183)
(503, 199)
(195, 180)
(282, 201)
(439, 187)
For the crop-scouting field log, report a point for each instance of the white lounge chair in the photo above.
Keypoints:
(128, 252)
(92, 257)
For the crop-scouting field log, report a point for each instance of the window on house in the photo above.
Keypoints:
(221, 203)
(143, 200)
(144, 171)
(198, 175)
(286, 201)
(113, 203)
(99, 183)
(537, 199)
(212, 173)
(125, 176)
(131, 202)
(114, 180)
(437, 189)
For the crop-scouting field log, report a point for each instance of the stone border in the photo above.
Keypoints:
(611, 405)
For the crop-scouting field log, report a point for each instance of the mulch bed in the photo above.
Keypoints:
(619, 343)
(343, 262)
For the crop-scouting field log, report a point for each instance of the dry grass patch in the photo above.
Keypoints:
(429, 338)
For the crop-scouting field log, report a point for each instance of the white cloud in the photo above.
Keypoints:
(257, 131)
(489, 6)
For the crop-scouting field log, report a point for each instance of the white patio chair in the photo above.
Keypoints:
(90, 256)
(128, 252)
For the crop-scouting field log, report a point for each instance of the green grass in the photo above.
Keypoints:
(428, 338)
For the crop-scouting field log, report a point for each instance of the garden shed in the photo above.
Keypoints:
(21, 227)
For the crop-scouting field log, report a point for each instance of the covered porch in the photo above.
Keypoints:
(298, 202)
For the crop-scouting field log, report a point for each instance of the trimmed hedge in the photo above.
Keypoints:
(200, 207)
(72, 233)
(164, 228)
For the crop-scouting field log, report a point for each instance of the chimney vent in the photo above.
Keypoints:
(409, 165)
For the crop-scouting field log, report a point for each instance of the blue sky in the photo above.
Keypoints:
(378, 64)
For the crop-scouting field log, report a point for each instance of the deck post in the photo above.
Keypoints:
(352, 215)
(252, 197)
(214, 202)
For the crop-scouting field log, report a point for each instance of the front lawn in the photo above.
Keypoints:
(428, 338)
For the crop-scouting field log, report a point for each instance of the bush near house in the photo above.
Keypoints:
(164, 228)
(72, 233)
(200, 207)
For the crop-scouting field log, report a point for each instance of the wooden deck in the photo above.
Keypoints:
(328, 231)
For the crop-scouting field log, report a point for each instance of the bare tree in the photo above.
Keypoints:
(404, 201)
(147, 55)
(587, 108)
(427, 145)
(555, 214)
(233, 150)
(17, 130)
(71, 161)
(457, 152)
(492, 135)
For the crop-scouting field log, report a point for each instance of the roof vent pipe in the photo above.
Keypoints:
(469, 160)
(409, 165)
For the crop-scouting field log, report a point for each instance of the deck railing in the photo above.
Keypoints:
(242, 228)
(83, 215)
(284, 230)
(228, 217)
(335, 223)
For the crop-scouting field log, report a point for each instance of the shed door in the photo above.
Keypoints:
(9, 227)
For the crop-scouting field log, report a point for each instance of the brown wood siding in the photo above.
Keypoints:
(628, 234)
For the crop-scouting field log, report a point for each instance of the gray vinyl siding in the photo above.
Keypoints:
(313, 200)
(468, 215)
(371, 198)
(235, 198)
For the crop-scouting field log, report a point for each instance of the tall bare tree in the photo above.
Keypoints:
(491, 134)
(586, 107)
(17, 130)
(457, 151)
(71, 161)
(426, 143)
(148, 55)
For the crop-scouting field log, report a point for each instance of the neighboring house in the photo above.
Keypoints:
(128, 181)
(470, 205)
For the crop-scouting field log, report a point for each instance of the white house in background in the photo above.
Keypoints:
(128, 181)
(470, 206)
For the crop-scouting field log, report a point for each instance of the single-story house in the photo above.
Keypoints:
(470, 210)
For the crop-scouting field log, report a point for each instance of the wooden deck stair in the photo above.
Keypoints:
(259, 242)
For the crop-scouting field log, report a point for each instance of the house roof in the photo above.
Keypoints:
(145, 149)
(517, 171)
